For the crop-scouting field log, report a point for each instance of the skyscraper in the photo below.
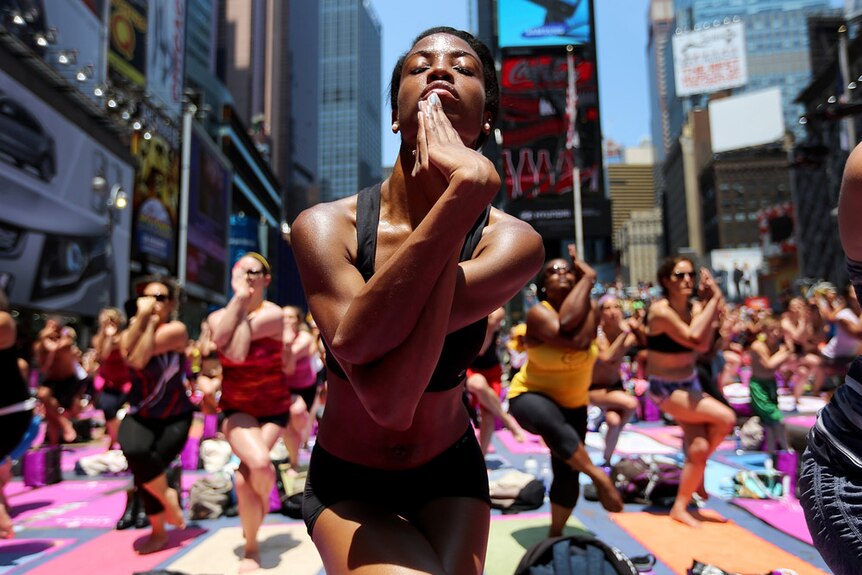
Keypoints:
(349, 152)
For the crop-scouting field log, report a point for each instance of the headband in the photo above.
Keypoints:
(266, 267)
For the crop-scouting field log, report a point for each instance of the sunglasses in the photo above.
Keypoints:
(254, 273)
(680, 275)
(558, 270)
(159, 297)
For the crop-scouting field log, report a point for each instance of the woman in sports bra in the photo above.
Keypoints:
(255, 397)
(678, 329)
(549, 396)
(400, 279)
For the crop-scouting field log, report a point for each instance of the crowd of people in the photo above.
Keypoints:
(407, 284)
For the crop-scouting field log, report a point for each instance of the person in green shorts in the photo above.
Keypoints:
(767, 352)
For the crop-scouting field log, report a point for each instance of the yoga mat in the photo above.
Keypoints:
(113, 554)
(800, 420)
(284, 548)
(531, 444)
(17, 552)
(101, 513)
(630, 443)
(725, 545)
(511, 535)
(805, 405)
(672, 435)
(59, 498)
(784, 514)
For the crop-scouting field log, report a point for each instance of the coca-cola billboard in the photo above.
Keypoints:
(534, 123)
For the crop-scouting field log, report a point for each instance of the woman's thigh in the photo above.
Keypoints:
(448, 535)
(696, 407)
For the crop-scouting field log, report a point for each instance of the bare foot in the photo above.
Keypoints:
(701, 491)
(155, 542)
(69, 434)
(6, 529)
(173, 513)
(684, 517)
(250, 563)
(609, 497)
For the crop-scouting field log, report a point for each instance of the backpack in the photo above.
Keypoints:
(516, 491)
(210, 496)
(574, 555)
(291, 489)
(642, 479)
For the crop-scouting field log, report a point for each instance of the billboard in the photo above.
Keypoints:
(55, 252)
(736, 271)
(537, 23)
(127, 33)
(79, 28)
(710, 60)
(165, 54)
(538, 167)
(760, 112)
(155, 203)
(209, 200)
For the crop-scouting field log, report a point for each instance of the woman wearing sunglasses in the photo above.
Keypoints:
(550, 395)
(678, 329)
(156, 428)
(255, 396)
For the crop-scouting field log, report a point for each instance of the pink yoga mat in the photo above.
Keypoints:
(784, 514)
(113, 554)
(17, 552)
(801, 420)
(531, 444)
(59, 498)
(672, 435)
(101, 513)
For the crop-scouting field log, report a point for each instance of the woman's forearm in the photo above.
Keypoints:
(386, 310)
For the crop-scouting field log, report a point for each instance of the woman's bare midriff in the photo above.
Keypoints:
(670, 366)
(348, 432)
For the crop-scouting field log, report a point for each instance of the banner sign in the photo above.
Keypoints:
(710, 60)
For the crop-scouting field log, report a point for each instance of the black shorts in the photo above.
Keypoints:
(67, 391)
(280, 419)
(110, 401)
(307, 394)
(457, 472)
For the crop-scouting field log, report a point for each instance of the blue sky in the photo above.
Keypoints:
(621, 32)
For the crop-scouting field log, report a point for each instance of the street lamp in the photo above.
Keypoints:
(116, 201)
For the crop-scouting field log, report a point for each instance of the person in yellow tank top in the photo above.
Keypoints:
(549, 396)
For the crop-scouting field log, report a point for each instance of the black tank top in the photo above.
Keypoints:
(490, 358)
(14, 388)
(460, 347)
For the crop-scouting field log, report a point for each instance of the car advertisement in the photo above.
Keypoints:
(209, 199)
(62, 247)
(538, 23)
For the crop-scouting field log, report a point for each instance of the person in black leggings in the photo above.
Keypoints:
(160, 415)
(16, 404)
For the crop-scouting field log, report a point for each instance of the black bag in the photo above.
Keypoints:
(644, 480)
(290, 489)
(574, 555)
(516, 491)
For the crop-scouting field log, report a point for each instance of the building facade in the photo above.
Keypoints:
(349, 149)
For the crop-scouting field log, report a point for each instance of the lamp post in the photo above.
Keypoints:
(116, 201)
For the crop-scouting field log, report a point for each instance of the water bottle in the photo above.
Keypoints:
(531, 466)
(546, 476)
(737, 440)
